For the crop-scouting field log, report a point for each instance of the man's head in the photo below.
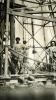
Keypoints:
(53, 43)
(17, 40)
(24, 42)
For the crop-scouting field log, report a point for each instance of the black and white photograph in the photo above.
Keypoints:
(27, 49)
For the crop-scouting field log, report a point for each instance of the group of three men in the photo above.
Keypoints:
(20, 56)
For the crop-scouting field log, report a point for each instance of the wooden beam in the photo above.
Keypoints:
(39, 12)
(11, 12)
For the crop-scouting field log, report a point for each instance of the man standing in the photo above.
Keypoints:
(14, 57)
(19, 57)
(52, 55)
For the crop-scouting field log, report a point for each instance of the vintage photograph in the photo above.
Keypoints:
(27, 49)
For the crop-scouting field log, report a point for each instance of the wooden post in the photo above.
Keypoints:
(1, 34)
(52, 16)
(44, 36)
(1, 45)
(6, 43)
(12, 27)
(12, 31)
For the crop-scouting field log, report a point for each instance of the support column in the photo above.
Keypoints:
(1, 45)
(12, 27)
(1, 34)
(52, 16)
(6, 42)
(33, 36)
(44, 35)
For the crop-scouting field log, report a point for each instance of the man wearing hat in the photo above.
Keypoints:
(52, 54)
(18, 60)
(15, 56)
